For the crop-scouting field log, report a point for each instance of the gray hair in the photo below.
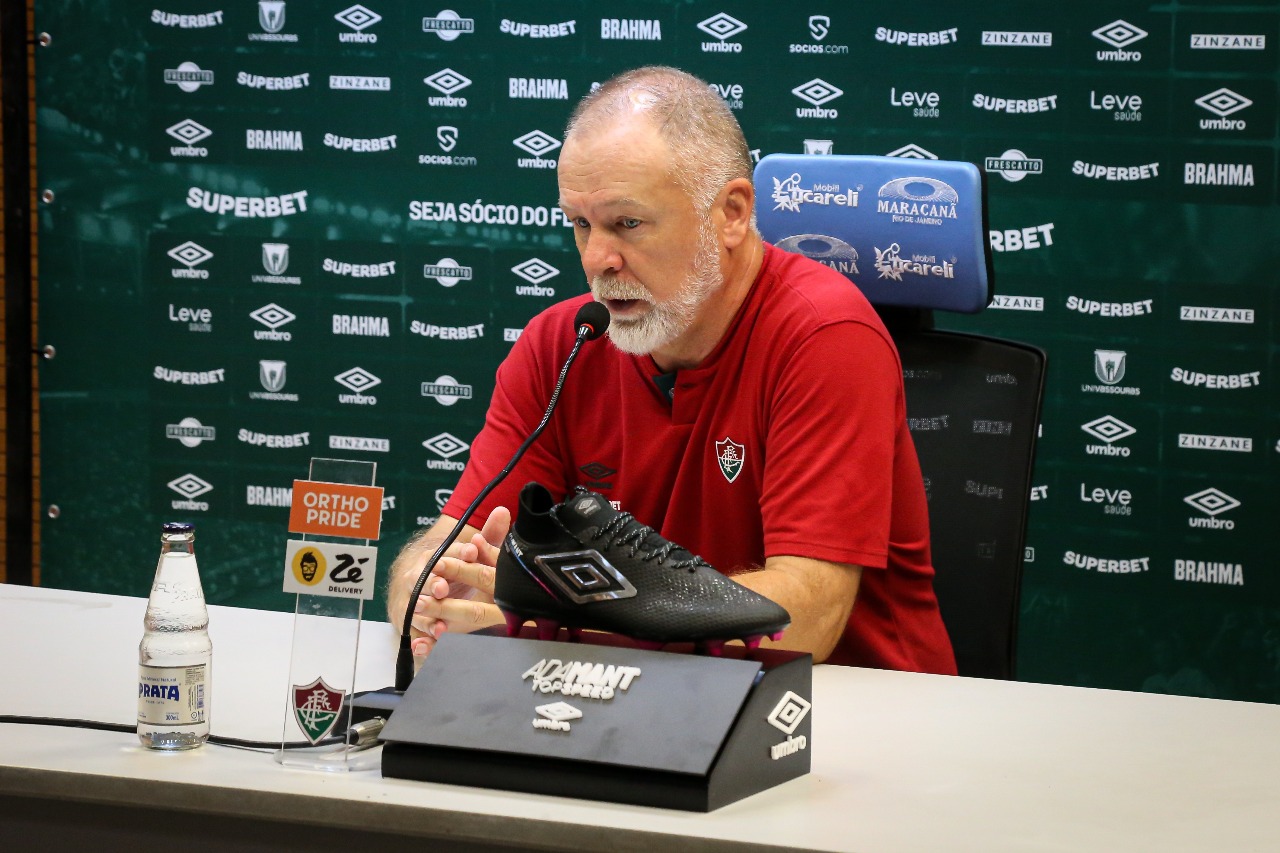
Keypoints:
(707, 146)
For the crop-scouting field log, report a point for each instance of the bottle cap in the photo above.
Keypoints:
(178, 527)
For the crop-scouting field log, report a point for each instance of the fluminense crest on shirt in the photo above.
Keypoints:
(731, 457)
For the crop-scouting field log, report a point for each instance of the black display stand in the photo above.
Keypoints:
(688, 732)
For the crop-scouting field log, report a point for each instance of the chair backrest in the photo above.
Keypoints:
(911, 234)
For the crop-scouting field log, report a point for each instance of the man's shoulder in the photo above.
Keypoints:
(809, 294)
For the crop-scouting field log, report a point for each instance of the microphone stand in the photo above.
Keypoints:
(591, 321)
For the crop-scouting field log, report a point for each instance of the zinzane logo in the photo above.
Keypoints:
(786, 717)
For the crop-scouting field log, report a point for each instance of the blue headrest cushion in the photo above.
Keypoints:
(907, 232)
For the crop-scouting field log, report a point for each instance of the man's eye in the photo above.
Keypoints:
(580, 222)
(631, 223)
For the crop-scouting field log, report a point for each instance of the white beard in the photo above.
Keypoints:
(664, 322)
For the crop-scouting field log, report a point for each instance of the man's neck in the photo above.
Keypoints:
(714, 317)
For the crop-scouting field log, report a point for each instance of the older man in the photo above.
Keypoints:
(749, 405)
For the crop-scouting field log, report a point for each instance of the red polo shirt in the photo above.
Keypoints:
(789, 439)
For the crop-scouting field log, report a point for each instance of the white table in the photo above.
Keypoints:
(900, 762)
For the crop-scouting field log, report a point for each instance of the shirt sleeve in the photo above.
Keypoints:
(830, 445)
(521, 392)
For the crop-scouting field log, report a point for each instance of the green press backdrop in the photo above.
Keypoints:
(271, 231)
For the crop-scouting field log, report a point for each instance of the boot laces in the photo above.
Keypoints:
(624, 530)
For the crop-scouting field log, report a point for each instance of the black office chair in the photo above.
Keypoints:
(911, 234)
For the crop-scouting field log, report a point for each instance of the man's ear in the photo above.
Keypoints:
(736, 204)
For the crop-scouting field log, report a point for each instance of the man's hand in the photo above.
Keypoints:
(458, 594)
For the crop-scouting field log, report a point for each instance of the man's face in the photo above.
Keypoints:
(650, 257)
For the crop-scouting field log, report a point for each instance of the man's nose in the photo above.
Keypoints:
(600, 255)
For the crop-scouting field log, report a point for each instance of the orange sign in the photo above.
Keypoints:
(336, 509)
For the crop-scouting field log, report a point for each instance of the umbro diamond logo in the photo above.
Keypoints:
(189, 486)
(447, 81)
(1119, 33)
(817, 92)
(1212, 501)
(722, 26)
(1223, 102)
(1108, 429)
(535, 271)
(536, 143)
(358, 17)
(790, 711)
(191, 132)
(190, 254)
(357, 379)
(445, 445)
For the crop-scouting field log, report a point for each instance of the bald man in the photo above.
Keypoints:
(748, 404)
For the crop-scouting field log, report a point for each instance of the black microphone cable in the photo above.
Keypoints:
(591, 322)
(363, 734)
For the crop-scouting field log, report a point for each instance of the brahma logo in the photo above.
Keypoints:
(918, 200)
(538, 88)
(1119, 34)
(1218, 174)
(630, 29)
(817, 92)
(722, 27)
(825, 249)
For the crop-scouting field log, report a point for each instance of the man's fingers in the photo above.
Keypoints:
(476, 575)
(496, 527)
(459, 613)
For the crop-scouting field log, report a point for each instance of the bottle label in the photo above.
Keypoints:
(171, 695)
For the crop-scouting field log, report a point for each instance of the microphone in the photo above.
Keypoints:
(590, 322)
